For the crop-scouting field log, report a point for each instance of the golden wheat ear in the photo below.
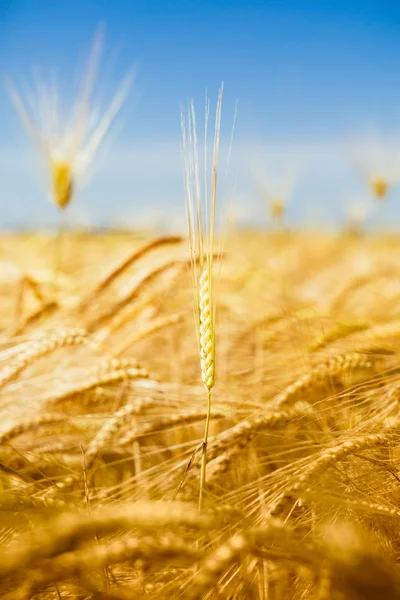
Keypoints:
(200, 211)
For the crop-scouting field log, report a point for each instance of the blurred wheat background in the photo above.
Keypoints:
(199, 395)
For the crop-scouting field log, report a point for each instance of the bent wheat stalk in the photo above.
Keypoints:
(121, 268)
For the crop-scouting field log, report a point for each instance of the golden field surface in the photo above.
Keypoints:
(102, 414)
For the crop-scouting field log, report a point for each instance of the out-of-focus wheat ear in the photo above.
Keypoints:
(379, 187)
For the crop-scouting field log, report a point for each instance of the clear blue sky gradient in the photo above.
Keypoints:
(307, 75)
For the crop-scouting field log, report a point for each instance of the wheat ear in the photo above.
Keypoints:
(201, 243)
(207, 362)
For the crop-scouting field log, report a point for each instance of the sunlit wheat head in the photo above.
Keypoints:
(200, 211)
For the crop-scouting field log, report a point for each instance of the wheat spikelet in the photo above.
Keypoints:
(206, 331)
(243, 432)
(68, 139)
(368, 506)
(338, 332)
(24, 427)
(39, 347)
(110, 428)
(334, 366)
(226, 447)
(329, 457)
(277, 209)
(114, 363)
(62, 183)
(67, 530)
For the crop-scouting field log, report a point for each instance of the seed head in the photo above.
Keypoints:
(62, 183)
(68, 136)
(379, 187)
(277, 208)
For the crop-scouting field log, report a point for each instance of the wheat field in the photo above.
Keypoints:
(103, 408)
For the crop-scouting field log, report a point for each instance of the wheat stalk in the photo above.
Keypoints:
(123, 266)
(201, 231)
(133, 294)
(153, 327)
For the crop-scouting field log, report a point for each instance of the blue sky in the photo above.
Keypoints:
(309, 77)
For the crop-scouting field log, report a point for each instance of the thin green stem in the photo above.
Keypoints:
(204, 453)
